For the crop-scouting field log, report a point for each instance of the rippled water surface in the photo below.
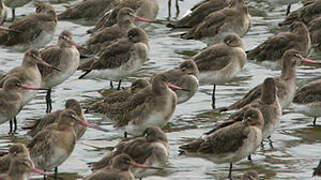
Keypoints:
(297, 144)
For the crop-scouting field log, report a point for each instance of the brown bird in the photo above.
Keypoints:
(151, 106)
(307, 99)
(88, 10)
(147, 9)
(11, 101)
(272, 49)
(221, 62)
(125, 21)
(117, 97)
(213, 29)
(185, 76)
(286, 83)
(64, 56)
(315, 33)
(250, 175)
(269, 106)
(150, 149)
(20, 169)
(229, 144)
(34, 30)
(199, 12)
(305, 14)
(28, 73)
(118, 170)
(317, 170)
(120, 59)
(40, 124)
(16, 150)
(51, 146)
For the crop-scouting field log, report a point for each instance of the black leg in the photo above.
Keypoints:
(10, 125)
(56, 173)
(249, 158)
(44, 176)
(177, 8)
(213, 96)
(111, 84)
(230, 173)
(288, 10)
(169, 8)
(315, 121)
(119, 83)
(15, 124)
(125, 134)
(270, 142)
(13, 14)
(48, 100)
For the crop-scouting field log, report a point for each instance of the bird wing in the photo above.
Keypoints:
(226, 140)
(274, 47)
(52, 55)
(308, 93)
(251, 96)
(212, 59)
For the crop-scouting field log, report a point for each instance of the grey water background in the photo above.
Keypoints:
(297, 144)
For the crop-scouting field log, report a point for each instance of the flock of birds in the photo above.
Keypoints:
(117, 48)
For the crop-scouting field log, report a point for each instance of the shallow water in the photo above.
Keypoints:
(296, 143)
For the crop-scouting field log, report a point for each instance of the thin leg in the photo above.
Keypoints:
(230, 173)
(125, 134)
(15, 124)
(315, 121)
(177, 8)
(48, 100)
(169, 8)
(249, 158)
(119, 83)
(13, 14)
(56, 173)
(213, 97)
(270, 142)
(44, 176)
(10, 125)
(111, 84)
(288, 10)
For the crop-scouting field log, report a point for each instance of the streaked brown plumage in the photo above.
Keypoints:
(108, 35)
(199, 12)
(286, 83)
(37, 125)
(118, 97)
(250, 175)
(91, 10)
(230, 144)
(30, 28)
(119, 169)
(16, 150)
(144, 8)
(307, 13)
(232, 19)
(150, 149)
(272, 49)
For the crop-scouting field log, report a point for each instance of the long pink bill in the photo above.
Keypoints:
(173, 86)
(74, 44)
(7, 29)
(38, 171)
(309, 61)
(87, 124)
(26, 87)
(41, 61)
(137, 18)
(137, 165)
